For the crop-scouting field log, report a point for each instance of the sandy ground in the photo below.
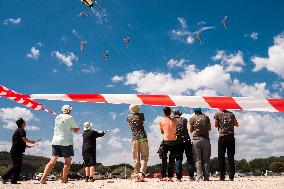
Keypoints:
(239, 183)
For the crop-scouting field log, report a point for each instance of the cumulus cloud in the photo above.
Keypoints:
(275, 59)
(211, 80)
(113, 115)
(34, 54)
(67, 59)
(12, 21)
(176, 63)
(8, 117)
(117, 78)
(254, 35)
(233, 62)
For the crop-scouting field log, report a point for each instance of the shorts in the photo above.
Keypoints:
(62, 151)
(89, 160)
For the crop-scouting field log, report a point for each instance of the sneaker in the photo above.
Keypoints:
(15, 182)
(3, 180)
(170, 180)
(221, 179)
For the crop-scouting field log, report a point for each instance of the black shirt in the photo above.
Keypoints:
(18, 145)
(89, 141)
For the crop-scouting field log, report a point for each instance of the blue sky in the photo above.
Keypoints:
(162, 52)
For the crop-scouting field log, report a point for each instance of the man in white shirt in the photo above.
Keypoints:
(62, 143)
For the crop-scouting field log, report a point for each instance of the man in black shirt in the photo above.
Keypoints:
(89, 150)
(183, 145)
(19, 144)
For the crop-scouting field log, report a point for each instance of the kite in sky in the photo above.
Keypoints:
(105, 56)
(83, 14)
(90, 3)
(83, 44)
(224, 22)
(126, 41)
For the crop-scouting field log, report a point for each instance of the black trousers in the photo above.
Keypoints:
(168, 169)
(14, 172)
(181, 147)
(226, 143)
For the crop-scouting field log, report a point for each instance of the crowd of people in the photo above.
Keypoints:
(176, 141)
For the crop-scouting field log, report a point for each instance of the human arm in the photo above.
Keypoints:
(26, 140)
(74, 125)
(209, 124)
(216, 121)
(161, 128)
(190, 127)
(236, 123)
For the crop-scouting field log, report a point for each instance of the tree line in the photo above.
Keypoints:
(35, 164)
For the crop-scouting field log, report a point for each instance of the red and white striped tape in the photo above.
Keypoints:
(219, 102)
(22, 99)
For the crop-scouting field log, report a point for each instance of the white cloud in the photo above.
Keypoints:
(114, 142)
(212, 80)
(176, 63)
(8, 117)
(89, 69)
(275, 59)
(233, 62)
(12, 21)
(182, 22)
(34, 54)
(66, 59)
(254, 35)
(76, 33)
(117, 78)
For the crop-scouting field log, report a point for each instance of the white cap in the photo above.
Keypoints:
(87, 126)
(66, 109)
(134, 108)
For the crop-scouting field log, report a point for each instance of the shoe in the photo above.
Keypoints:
(231, 179)
(3, 180)
(163, 179)
(91, 180)
(86, 180)
(221, 179)
(170, 180)
(179, 180)
(191, 179)
(15, 182)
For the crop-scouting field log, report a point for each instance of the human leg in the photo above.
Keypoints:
(221, 156)
(48, 168)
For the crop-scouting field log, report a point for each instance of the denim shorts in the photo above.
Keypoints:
(62, 151)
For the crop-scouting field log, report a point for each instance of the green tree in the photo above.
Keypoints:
(277, 167)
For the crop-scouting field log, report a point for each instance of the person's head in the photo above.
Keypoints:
(88, 126)
(197, 111)
(21, 123)
(66, 109)
(176, 113)
(134, 108)
(167, 111)
(223, 110)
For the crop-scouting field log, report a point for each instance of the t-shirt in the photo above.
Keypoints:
(18, 145)
(168, 126)
(200, 124)
(63, 130)
(226, 122)
(182, 131)
(136, 123)
(89, 141)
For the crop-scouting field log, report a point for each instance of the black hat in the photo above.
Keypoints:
(20, 122)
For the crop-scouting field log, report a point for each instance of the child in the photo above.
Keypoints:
(89, 150)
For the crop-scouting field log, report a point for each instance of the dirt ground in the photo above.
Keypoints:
(239, 183)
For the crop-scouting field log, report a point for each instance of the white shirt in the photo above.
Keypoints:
(64, 124)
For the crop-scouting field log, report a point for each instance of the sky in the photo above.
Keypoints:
(40, 53)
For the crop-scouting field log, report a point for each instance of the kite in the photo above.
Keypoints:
(126, 41)
(197, 37)
(90, 4)
(105, 56)
(83, 45)
(224, 22)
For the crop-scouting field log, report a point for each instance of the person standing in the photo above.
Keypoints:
(200, 126)
(225, 121)
(89, 150)
(62, 143)
(19, 144)
(140, 148)
(183, 145)
(168, 129)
